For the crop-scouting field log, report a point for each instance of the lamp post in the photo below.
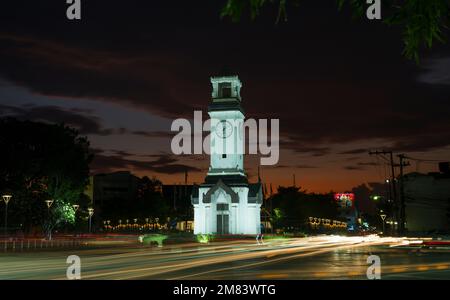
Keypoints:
(49, 203)
(6, 198)
(91, 212)
(383, 217)
(75, 209)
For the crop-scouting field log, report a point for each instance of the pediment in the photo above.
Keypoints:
(221, 185)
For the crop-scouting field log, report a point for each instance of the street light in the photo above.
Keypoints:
(91, 212)
(49, 203)
(6, 198)
(75, 209)
(383, 217)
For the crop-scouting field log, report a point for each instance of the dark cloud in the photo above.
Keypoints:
(355, 151)
(305, 167)
(301, 166)
(353, 168)
(352, 158)
(436, 71)
(102, 74)
(296, 146)
(368, 164)
(153, 134)
(86, 124)
(328, 79)
(164, 163)
(424, 142)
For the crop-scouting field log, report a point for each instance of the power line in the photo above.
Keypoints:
(392, 182)
(402, 163)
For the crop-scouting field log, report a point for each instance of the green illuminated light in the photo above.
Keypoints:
(204, 238)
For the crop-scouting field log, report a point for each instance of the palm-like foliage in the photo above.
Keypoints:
(422, 21)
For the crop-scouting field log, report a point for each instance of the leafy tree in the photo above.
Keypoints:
(448, 211)
(150, 200)
(422, 21)
(41, 161)
(147, 202)
(292, 206)
(277, 217)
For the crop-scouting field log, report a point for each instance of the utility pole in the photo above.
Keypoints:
(175, 195)
(270, 208)
(402, 220)
(393, 180)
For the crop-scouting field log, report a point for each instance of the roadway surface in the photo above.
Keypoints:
(327, 257)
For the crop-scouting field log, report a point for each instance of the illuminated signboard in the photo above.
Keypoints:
(345, 200)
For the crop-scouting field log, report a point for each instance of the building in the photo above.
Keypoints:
(427, 201)
(117, 186)
(226, 203)
(178, 197)
(89, 190)
(119, 194)
(348, 209)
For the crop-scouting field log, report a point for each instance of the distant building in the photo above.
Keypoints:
(178, 197)
(348, 209)
(427, 199)
(117, 186)
(89, 190)
(105, 190)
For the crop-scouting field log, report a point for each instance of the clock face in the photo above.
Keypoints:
(224, 129)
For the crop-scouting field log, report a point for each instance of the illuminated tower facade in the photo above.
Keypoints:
(226, 203)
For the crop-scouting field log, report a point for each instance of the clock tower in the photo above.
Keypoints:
(226, 203)
(227, 131)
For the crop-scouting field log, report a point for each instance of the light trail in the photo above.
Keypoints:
(193, 261)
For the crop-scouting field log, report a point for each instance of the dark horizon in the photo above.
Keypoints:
(340, 87)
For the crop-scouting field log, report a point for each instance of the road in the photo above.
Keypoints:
(327, 257)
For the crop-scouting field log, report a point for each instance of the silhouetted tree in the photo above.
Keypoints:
(422, 22)
(147, 203)
(292, 206)
(150, 200)
(41, 161)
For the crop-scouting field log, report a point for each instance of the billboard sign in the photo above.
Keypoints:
(345, 200)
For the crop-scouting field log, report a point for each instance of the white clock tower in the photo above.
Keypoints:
(226, 203)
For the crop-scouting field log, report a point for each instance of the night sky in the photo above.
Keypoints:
(339, 86)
